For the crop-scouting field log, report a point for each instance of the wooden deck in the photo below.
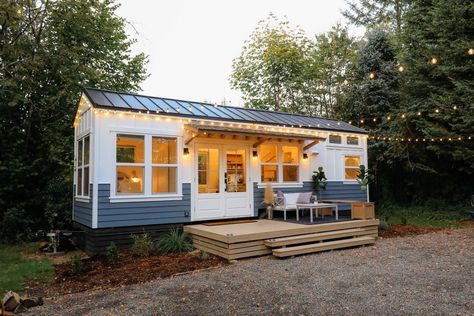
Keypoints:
(235, 241)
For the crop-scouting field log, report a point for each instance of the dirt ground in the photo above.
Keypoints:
(428, 274)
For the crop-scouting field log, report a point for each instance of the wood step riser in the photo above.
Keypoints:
(301, 239)
(230, 251)
(324, 246)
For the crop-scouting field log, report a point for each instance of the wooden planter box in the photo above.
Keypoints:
(363, 210)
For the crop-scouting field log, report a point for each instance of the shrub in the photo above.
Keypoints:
(203, 255)
(77, 264)
(142, 245)
(175, 241)
(383, 226)
(112, 253)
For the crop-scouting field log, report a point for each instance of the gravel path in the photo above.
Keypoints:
(424, 275)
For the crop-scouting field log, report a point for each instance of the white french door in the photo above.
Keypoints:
(222, 182)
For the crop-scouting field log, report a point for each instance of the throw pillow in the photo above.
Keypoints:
(304, 198)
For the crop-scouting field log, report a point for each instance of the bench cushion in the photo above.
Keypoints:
(291, 198)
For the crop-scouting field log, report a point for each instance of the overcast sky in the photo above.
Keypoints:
(191, 44)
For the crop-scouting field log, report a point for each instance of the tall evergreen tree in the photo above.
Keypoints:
(48, 51)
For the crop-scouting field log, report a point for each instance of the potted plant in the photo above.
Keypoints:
(268, 199)
(364, 178)
(319, 179)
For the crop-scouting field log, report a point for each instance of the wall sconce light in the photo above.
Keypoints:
(305, 156)
(254, 154)
(186, 151)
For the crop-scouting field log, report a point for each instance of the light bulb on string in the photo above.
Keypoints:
(372, 75)
(434, 60)
(470, 51)
(401, 68)
(437, 110)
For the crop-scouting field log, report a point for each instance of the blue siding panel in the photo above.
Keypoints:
(121, 214)
(83, 210)
(334, 191)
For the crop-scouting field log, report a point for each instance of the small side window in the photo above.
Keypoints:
(334, 139)
(352, 140)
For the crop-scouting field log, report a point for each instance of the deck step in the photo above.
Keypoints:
(322, 246)
(307, 238)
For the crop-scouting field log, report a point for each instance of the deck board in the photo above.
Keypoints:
(243, 240)
(266, 229)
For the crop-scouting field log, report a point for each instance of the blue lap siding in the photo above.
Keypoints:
(335, 190)
(83, 210)
(123, 214)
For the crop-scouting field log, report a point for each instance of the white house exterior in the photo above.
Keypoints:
(142, 161)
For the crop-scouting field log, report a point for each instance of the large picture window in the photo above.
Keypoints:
(279, 162)
(290, 163)
(269, 163)
(130, 156)
(82, 170)
(351, 167)
(164, 165)
(146, 165)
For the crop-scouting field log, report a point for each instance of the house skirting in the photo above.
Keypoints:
(95, 241)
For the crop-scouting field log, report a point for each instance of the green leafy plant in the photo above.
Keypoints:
(319, 179)
(112, 253)
(364, 178)
(143, 245)
(175, 241)
(77, 265)
(203, 256)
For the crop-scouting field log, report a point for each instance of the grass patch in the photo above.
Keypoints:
(438, 215)
(16, 267)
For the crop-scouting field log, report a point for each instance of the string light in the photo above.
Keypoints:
(401, 68)
(372, 75)
(434, 61)
(471, 51)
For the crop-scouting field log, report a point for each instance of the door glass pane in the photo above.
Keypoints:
(164, 150)
(269, 173)
(290, 173)
(208, 170)
(86, 181)
(130, 148)
(86, 150)
(268, 153)
(164, 179)
(236, 171)
(290, 154)
(129, 180)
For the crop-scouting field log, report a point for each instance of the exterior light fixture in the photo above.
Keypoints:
(186, 151)
(254, 154)
(305, 156)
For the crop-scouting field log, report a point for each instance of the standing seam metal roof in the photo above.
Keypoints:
(124, 101)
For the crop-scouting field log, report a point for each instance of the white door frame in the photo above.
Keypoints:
(222, 213)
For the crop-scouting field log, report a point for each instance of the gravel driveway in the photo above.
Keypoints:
(424, 275)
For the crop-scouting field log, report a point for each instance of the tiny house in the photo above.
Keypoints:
(149, 163)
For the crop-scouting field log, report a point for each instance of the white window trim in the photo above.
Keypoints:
(169, 165)
(350, 167)
(147, 195)
(82, 197)
(280, 164)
